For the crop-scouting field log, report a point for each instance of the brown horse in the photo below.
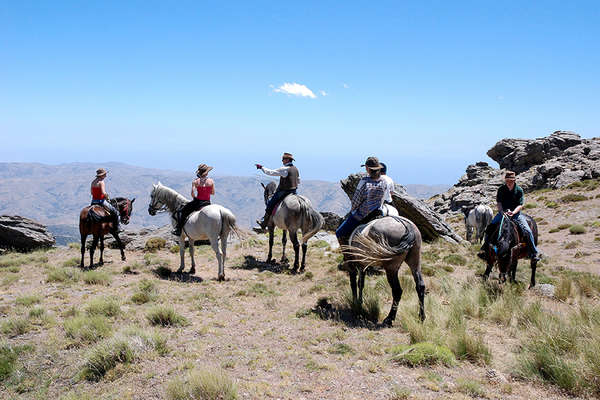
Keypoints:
(89, 226)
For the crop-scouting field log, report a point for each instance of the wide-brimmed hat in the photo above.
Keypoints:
(372, 163)
(288, 155)
(509, 175)
(203, 169)
(101, 172)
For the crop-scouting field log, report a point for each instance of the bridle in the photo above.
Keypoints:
(153, 209)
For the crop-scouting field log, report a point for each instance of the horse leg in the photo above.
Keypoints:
(182, 254)
(413, 259)
(352, 274)
(361, 285)
(488, 271)
(214, 243)
(392, 277)
(294, 239)
(101, 261)
(533, 267)
(224, 251)
(93, 249)
(192, 249)
(120, 244)
(304, 248)
(271, 234)
(83, 238)
(283, 243)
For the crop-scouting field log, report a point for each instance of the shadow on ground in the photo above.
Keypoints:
(338, 313)
(250, 262)
(168, 275)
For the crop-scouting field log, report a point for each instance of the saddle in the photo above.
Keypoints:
(94, 216)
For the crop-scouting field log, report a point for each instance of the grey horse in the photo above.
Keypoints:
(386, 243)
(213, 222)
(293, 213)
(477, 219)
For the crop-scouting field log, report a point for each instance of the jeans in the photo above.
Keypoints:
(189, 208)
(276, 198)
(522, 223)
(106, 205)
(346, 228)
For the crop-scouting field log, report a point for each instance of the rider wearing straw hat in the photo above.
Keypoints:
(289, 179)
(202, 188)
(366, 201)
(100, 197)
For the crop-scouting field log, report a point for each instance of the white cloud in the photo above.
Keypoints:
(323, 93)
(346, 86)
(295, 89)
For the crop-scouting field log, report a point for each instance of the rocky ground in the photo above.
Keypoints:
(70, 334)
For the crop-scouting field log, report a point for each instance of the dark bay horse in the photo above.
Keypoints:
(386, 243)
(88, 225)
(507, 245)
(294, 212)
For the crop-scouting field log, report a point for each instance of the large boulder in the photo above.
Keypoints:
(331, 221)
(430, 223)
(552, 162)
(23, 234)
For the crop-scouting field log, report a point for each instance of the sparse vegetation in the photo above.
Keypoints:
(421, 354)
(165, 316)
(107, 306)
(208, 383)
(87, 329)
(71, 262)
(15, 326)
(28, 300)
(9, 355)
(577, 229)
(95, 277)
(573, 197)
(63, 275)
(146, 292)
(455, 259)
(154, 244)
(528, 206)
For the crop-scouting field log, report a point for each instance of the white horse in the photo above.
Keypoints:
(212, 222)
(478, 218)
(388, 210)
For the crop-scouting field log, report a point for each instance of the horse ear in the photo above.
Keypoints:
(263, 185)
(159, 184)
(132, 200)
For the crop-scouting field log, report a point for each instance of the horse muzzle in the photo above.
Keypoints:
(151, 210)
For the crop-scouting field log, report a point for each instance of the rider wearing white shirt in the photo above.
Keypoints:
(389, 189)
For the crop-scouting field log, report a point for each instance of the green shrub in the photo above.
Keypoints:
(87, 329)
(588, 184)
(95, 277)
(424, 353)
(165, 316)
(71, 262)
(554, 230)
(563, 226)
(573, 197)
(577, 229)
(174, 249)
(551, 204)
(528, 206)
(146, 292)
(75, 245)
(427, 271)
(107, 306)
(155, 243)
(210, 383)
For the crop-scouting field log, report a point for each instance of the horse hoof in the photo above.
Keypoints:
(192, 271)
(123, 258)
(180, 270)
(269, 260)
(221, 278)
(387, 323)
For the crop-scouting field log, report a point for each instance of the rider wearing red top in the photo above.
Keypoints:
(202, 188)
(100, 197)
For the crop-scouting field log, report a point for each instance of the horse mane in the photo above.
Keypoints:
(171, 198)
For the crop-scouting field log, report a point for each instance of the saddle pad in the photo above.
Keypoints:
(93, 214)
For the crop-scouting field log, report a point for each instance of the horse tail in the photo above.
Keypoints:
(311, 220)
(228, 223)
(375, 251)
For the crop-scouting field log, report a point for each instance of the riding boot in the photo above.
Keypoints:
(264, 221)
(177, 230)
(343, 266)
(115, 221)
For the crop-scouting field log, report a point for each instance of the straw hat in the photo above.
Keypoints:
(101, 172)
(203, 169)
(372, 163)
(288, 155)
(509, 175)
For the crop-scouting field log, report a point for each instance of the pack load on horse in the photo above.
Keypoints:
(477, 219)
(202, 188)
(511, 234)
(212, 222)
(293, 213)
(102, 217)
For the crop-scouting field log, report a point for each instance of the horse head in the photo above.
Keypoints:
(155, 203)
(125, 208)
(269, 190)
(503, 241)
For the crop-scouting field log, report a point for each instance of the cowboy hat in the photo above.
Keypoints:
(372, 163)
(203, 169)
(101, 172)
(288, 155)
(509, 175)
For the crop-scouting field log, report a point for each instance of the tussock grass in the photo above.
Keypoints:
(424, 353)
(71, 262)
(340, 348)
(572, 245)
(205, 384)
(562, 291)
(28, 300)
(15, 326)
(588, 184)
(131, 268)
(174, 249)
(370, 308)
(551, 204)
(165, 316)
(573, 197)
(577, 229)
(528, 206)
(95, 277)
(146, 292)
(470, 387)
(63, 275)
(9, 356)
(563, 226)
(87, 329)
(468, 347)
(14, 259)
(75, 245)
(37, 312)
(107, 306)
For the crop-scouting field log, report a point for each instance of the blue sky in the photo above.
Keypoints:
(427, 86)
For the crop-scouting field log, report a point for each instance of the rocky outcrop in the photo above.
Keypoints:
(430, 223)
(551, 162)
(331, 221)
(23, 234)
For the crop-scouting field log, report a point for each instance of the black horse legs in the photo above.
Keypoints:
(93, 248)
(101, 262)
(120, 244)
(304, 248)
(352, 274)
(392, 278)
(271, 234)
(83, 238)
(283, 243)
(533, 267)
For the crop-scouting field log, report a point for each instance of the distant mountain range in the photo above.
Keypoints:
(54, 194)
